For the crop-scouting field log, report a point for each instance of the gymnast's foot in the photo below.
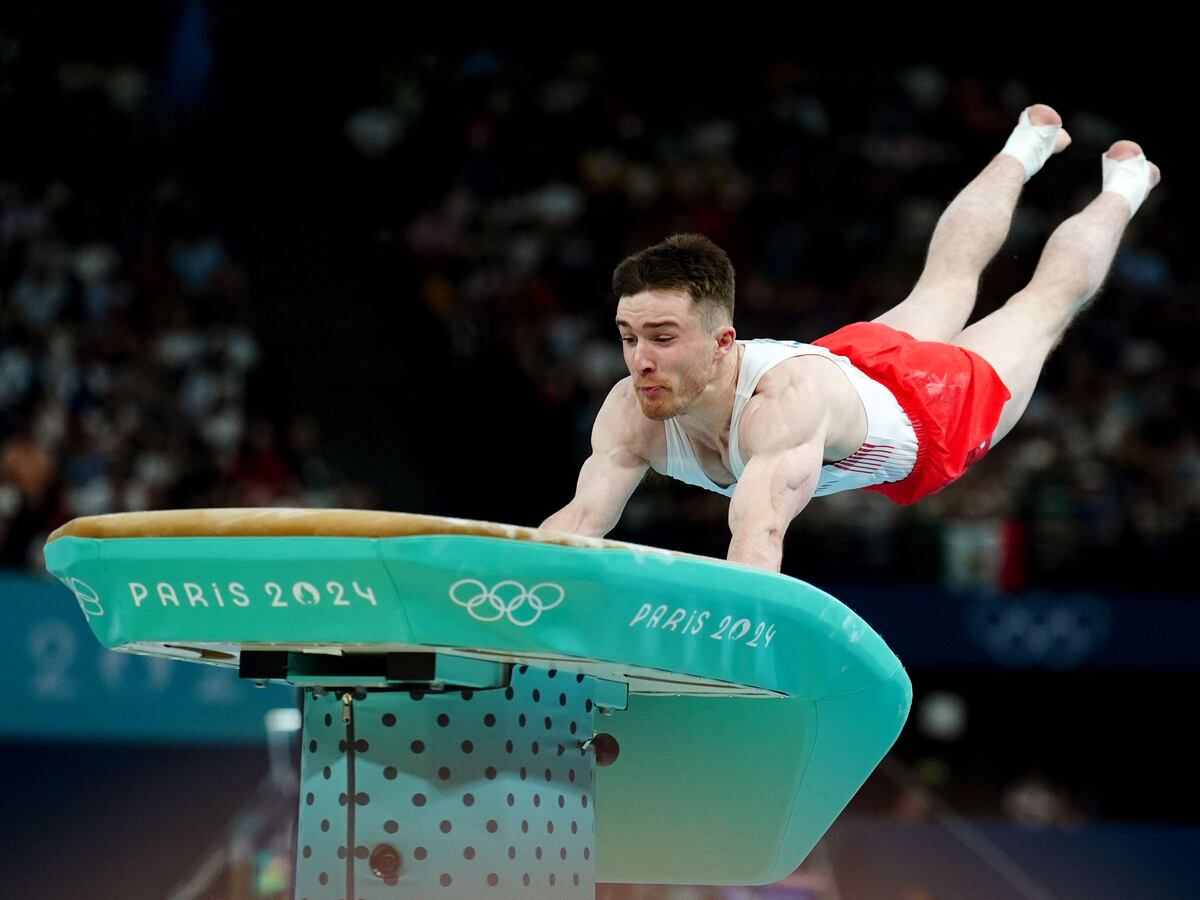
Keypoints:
(1126, 171)
(1038, 136)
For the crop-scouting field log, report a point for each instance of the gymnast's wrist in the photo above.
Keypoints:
(761, 552)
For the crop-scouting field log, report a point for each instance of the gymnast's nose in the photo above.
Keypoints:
(643, 358)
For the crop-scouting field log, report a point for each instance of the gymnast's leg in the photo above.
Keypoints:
(973, 228)
(1017, 338)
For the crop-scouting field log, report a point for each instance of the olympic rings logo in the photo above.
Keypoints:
(86, 595)
(506, 599)
(1040, 629)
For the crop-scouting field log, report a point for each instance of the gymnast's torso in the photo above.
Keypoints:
(868, 438)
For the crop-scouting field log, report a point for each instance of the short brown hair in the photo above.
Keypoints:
(683, 262)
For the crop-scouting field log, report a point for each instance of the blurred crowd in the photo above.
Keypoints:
(127, 361)
(510, 189)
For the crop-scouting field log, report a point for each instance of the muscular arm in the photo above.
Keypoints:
(613, 471)
(787, 450)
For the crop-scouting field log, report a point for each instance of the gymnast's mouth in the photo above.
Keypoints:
(652, 390)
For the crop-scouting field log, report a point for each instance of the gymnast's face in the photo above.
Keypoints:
(670, 351)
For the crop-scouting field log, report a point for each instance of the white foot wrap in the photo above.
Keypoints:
(1031, 144)
(1128, 177)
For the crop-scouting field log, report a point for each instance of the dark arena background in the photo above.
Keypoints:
(251, 261)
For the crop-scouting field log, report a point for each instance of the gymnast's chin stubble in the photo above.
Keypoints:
(657, 412)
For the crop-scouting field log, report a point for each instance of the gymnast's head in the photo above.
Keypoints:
(675, 318)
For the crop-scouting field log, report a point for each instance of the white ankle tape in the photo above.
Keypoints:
(1031, 144)
(1128, 177)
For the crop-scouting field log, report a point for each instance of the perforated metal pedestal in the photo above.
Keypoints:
(458, 795)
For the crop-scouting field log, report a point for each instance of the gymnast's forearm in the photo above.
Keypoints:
(606, 482)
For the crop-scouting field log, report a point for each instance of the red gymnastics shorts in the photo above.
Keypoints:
(952, 396)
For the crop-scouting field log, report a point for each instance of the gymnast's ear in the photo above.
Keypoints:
(725, 336)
